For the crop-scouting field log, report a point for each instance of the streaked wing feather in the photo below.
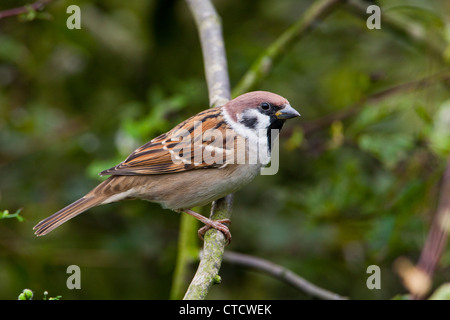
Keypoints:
(156, 156)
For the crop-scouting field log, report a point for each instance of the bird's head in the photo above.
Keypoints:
(258, 110)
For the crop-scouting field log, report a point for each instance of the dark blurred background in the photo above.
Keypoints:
(349, 193)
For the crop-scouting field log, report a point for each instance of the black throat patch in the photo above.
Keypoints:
(276, 124)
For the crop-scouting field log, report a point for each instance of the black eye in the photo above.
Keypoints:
(265, 106)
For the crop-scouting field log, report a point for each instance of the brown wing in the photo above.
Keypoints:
(178, 150)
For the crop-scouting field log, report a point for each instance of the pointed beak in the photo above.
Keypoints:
(287, 113)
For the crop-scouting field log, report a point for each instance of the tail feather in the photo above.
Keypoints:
(65, 214)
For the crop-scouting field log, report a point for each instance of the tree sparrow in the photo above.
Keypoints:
(202, 159)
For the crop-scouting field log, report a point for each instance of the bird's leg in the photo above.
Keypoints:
(215, 224)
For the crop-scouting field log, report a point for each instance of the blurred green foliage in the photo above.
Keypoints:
(6, 215)
(352, 192)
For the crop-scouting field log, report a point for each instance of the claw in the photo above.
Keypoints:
(218, 225)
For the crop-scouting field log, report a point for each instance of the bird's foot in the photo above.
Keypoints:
(221, 225)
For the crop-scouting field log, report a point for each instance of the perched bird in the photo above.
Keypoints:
(204, 158)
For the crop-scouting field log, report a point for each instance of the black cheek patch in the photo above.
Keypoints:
(249, 122)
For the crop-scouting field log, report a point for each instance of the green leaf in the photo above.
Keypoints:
(441, 293)
(296, 139)
(344, 86)
(26, 294)
(388, 148)
(6, 215)
(440, 132)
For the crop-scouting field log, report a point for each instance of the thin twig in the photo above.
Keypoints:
(213, 48)
(426, 82)
(407, 30)
(38, 5)
(281, 273)
(188, 251)
(212, 253)
(264, 63)
(216, 71)
(437, 236)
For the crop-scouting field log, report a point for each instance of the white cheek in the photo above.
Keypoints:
(257, 138)
(263, 120)
(240, 129)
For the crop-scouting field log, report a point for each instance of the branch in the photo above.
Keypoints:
(213, 48)
(263, 64)
(216, 71)
(187, 253)
(280, 273)
(437, 237)
(212, 253)
(442, 77)
(407, 31)
(38, 5)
